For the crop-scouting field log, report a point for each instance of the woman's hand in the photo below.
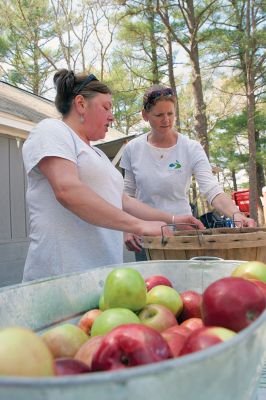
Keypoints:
(133, 242)
(225, 206)
(181, 220)
(240, 220)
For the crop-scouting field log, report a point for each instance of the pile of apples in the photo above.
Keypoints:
(139, 321)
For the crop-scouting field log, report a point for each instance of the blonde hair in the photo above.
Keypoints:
(157, 93)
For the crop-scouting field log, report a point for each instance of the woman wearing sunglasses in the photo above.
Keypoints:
(77, 208)
(159, 165)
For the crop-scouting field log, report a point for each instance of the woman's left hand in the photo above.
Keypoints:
(193, 223)
(240, 220)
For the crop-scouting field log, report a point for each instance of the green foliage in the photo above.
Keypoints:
(4, 48)
(127, 97)
(229, 142)
(230, 40)
(24, 47)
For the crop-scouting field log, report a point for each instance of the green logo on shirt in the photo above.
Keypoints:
(175, 165)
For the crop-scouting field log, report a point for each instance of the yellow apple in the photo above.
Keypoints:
(24, 353)
(64, 340)
(251, 270)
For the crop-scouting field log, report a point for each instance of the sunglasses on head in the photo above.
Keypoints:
(89, 79)
(167, 92)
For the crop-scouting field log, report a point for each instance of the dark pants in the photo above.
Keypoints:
(141, 256)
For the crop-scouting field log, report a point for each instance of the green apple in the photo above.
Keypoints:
(166, 296)
(251, 270)
(102, 305)
(23, 353)
(64, 340)
(111, 318)
(125, 288)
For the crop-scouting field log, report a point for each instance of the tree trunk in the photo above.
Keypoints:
(172, 79)
(187, 8)
(260, 183)
(194, 198)
(154, 57)
(250, 87)
(234, 179)
(171, 70)
(253, 187)
(200, 107)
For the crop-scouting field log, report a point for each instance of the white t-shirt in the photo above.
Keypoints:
(61, 242)
(161, 177)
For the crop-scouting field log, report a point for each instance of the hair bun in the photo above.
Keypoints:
(64, 81)
(64, 76)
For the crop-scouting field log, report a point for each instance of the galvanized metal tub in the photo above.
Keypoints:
(228, 371)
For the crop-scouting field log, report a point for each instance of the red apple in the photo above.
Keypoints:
(156, 280)
(87, 350)
(157, 317)
(232, 303)
(87, 319)
(176, 337)
(70, 366)
(192, 323)
(205, 337)
(130, 345)
(191, 305)
(261, 284)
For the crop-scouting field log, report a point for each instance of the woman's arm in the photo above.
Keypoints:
(224, 205)
(209, 186)
(133, 206)
(143, 211)
(129, 183)
(88, 205)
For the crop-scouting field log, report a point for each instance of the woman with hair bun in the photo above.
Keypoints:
(77, 208)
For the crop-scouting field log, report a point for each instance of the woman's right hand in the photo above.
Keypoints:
(193, 223)
(133, 242)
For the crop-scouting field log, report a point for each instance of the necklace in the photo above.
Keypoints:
(161, 152)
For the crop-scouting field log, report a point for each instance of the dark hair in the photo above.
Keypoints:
(157, 93)
(69, 85)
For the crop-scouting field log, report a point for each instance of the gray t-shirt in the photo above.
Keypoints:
(61, 242)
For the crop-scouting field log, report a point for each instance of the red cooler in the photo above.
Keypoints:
(241, 198)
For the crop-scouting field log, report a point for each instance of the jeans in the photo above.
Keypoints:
(141, 256)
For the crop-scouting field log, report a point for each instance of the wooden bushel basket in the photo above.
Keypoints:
(227, 243)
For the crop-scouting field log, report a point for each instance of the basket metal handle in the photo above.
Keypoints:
(174, 226)
(235, 220)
